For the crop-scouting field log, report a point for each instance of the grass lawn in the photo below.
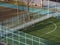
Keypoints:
(46, 29)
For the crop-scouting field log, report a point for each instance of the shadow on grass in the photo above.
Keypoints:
(39, 25)
(36, 27)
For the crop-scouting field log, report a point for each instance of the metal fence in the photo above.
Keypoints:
(15, 37)
(20, 38)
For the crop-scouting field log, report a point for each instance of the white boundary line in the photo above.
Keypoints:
(52, 30)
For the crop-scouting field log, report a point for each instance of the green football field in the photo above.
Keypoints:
(48, 29)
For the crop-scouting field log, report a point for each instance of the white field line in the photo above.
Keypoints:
(52, 30)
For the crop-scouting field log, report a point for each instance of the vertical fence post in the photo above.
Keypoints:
(32, 40)
(12, 32)
(25, 39)
(5, 34)
(19, 36)
(39, 41)
(56, 10)
(17, 13)
(48, 7)
(12, 39)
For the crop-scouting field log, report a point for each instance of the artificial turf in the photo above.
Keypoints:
(40, 29)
